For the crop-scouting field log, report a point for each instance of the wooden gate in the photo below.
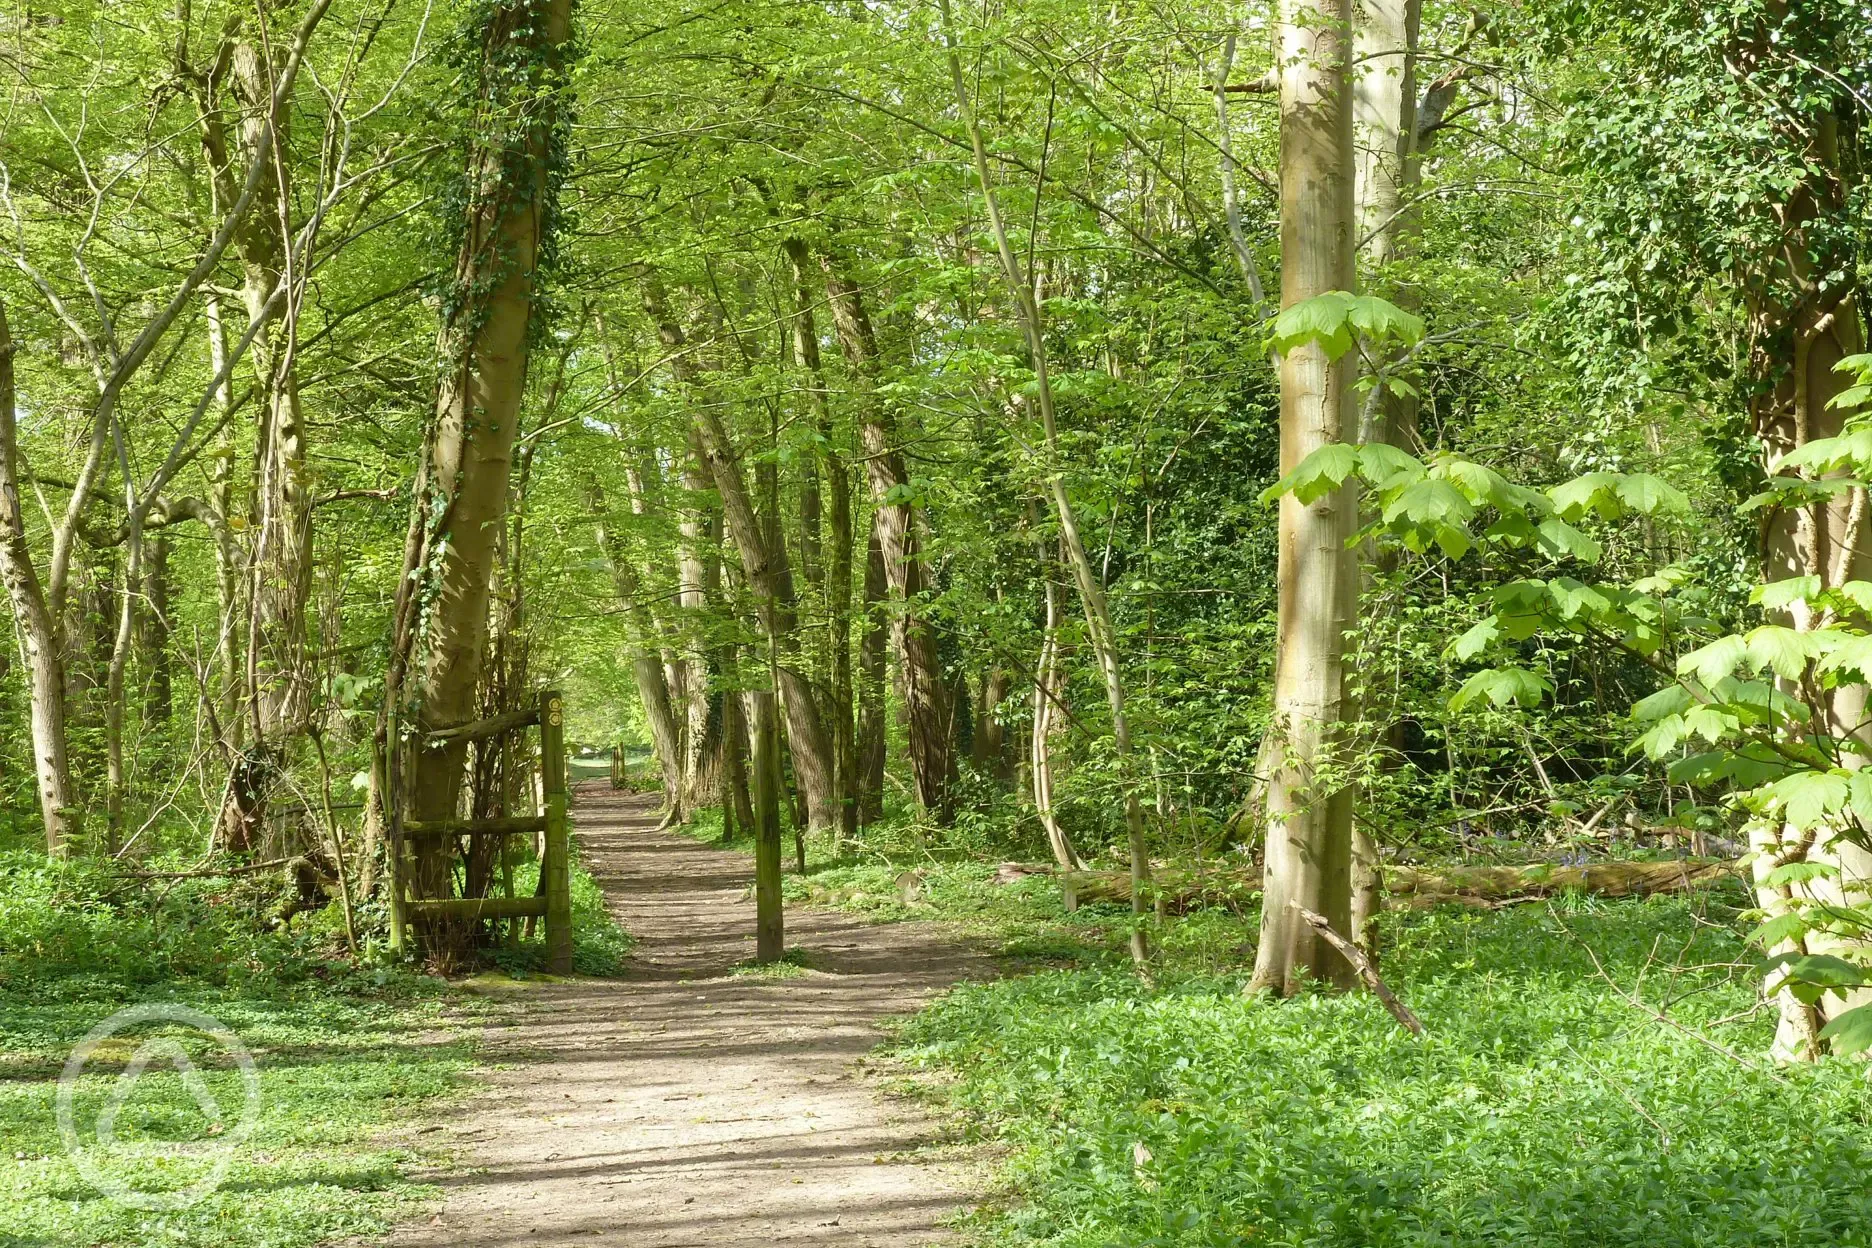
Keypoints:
(553, 901)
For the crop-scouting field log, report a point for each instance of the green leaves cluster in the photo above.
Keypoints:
(1739, 710)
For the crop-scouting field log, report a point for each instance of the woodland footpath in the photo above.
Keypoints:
(1325, 540)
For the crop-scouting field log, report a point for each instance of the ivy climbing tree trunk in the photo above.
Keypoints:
(511, 185)
(1309, 806)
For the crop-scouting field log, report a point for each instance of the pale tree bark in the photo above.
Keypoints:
(1805, 314)
(1046, 695)
(1100, 633)
(764, 564)
(873, 648)
(1384, 137)
(1309, 805)
(281, 565)
(243, 80)
(769, 578)
(39, 632)
(112, 369)
(640, 640)
(484, 346)
(926, 700)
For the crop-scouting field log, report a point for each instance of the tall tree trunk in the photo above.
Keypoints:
(228, 567)
(39, 631)
(484, 345)
(153, 636)
(1047, 690)
(1384, 136)
(764, 564)
(1100, 633)
(769, 911)
(926, 702)
(1309, 838)
(281, 565)
(1804, 306)
(836, 576)
(873, 645)
(640, 639)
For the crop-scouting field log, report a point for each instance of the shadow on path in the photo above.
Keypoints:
(678, 1106)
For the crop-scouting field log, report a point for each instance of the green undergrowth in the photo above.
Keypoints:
(1541, 1108)
(352, 1056)
(600, 944)
(1548, 1105)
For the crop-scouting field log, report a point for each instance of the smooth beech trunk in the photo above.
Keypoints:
(39, 632)
(1384, 136)
(873, 658)
(1309, 805)
(834, 576)
(926, 700)
(1800, 336)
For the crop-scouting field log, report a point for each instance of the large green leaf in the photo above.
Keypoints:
(1851, 1032)
(1711, 663)
(1324, 319)
(1780, 649)
(1778, 595)
(1502, 686)
(1318, 475)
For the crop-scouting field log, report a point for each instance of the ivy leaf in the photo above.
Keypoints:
(1851, 1032)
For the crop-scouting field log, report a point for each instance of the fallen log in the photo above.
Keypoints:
(1182, 890)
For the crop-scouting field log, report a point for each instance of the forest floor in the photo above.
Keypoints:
(698, 1100)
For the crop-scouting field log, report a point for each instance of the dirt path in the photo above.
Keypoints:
(680, 1106)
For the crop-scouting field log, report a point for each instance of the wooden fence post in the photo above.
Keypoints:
(393, 807)
(556, 866)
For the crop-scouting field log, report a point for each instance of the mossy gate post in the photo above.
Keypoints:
(553, 900)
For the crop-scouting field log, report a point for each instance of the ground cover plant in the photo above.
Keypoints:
(351, 1057)
(1541, 1108)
